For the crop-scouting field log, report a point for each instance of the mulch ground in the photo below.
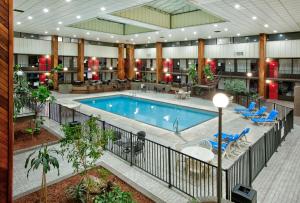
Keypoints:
(56, 192)
(24, 140)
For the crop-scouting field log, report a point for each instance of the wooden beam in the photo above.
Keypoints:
(130, 74)
(121, 65)
(54, 59)
(80, 60)
(262, 66)
(6, 100)
(201, 59)
(159, 62)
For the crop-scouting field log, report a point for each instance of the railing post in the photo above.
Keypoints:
(227, 185)
(169, 166)
(131, 150)
(250, 167)
(103, 125)
(73, 115)
(49, 110)
(265, 143)
(274, 106)
(59, 110)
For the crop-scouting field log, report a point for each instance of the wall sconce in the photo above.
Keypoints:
(110, 68)
(167, 60)
(137, 60)
(47, 56)
(152, 69)
(135, 69)
(47, 74)
(94, 73)
(249, 74)
(93, 58)
(165, 70)
(65, 69)
(268, 60)
(268, 81)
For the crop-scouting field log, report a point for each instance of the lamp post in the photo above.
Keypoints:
(221, 101)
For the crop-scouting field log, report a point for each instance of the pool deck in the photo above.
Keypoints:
(232, 122)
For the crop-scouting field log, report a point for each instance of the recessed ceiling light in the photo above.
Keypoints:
(78, 17)
(74, 36)
(149, 37)
(57, 28)
(266, 25)
(195, 33)
(131, 39)
(112, 36)
(45, 10)
(170, 35)
(157, 32)
(136, 35)
(237, 6)
(98, 38)
(60, 22)
(215, 25)
(29, 17)
(238, 34)
(254, 17)
(182, 29)
(209, 37)
(225, 29)
(88, 33)
(68, 1)
(102, 8)
(275, 31)
(19, 23)
(46, 32)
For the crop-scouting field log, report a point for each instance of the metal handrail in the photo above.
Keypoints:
(175, 125)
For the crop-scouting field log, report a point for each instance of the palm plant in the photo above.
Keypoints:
(83, 145)
(192, 72)
(208, 73)
(45, 160)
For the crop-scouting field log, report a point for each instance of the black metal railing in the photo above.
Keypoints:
(185, 173)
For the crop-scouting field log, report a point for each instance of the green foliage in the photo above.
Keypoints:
(192, 72)
(21, 90)
(208, 73)
(57, 68)
(235, 86)
(44, 160)
(104, 173)
(77, 193)
(116, 195)
(83, 145)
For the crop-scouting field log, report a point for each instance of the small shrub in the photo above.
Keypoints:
(77, 193)
(115, 195)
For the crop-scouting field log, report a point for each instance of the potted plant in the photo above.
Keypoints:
(192, 73)
(46, 160)
(83, 145)
(235, 87)
(209, 76)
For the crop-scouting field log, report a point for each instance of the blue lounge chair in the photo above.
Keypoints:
(270, 119)
(224, 147)
(250, 108)
(234, 137)
(258, 113)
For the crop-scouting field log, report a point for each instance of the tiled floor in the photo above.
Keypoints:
(279, 181)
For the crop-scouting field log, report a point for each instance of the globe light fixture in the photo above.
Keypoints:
(220, 100)
(249, 74)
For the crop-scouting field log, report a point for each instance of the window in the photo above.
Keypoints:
(241, 66)
(285, 66)
(296, 66)
(229, 65)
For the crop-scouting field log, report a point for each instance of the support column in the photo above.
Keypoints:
(130, 74)
(262, 66)
(80, 60)
(121, 65)
(54, 59)
(201, 59)
(159, 62)
(6, 100)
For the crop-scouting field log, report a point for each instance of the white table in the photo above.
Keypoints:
(200, 153)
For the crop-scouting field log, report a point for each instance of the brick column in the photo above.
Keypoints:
(54, 59)
(262, 66)
(80, 60)
(121, 65)
(6, 100)
(159, 62)
(201, 59)
(130, 61)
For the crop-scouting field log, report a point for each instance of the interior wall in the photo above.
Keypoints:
(283, 49)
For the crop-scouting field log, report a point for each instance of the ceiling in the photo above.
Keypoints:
(279, 15)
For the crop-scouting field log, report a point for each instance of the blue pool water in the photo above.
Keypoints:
(151, 112)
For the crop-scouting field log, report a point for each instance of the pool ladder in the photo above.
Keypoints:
(175, 126)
